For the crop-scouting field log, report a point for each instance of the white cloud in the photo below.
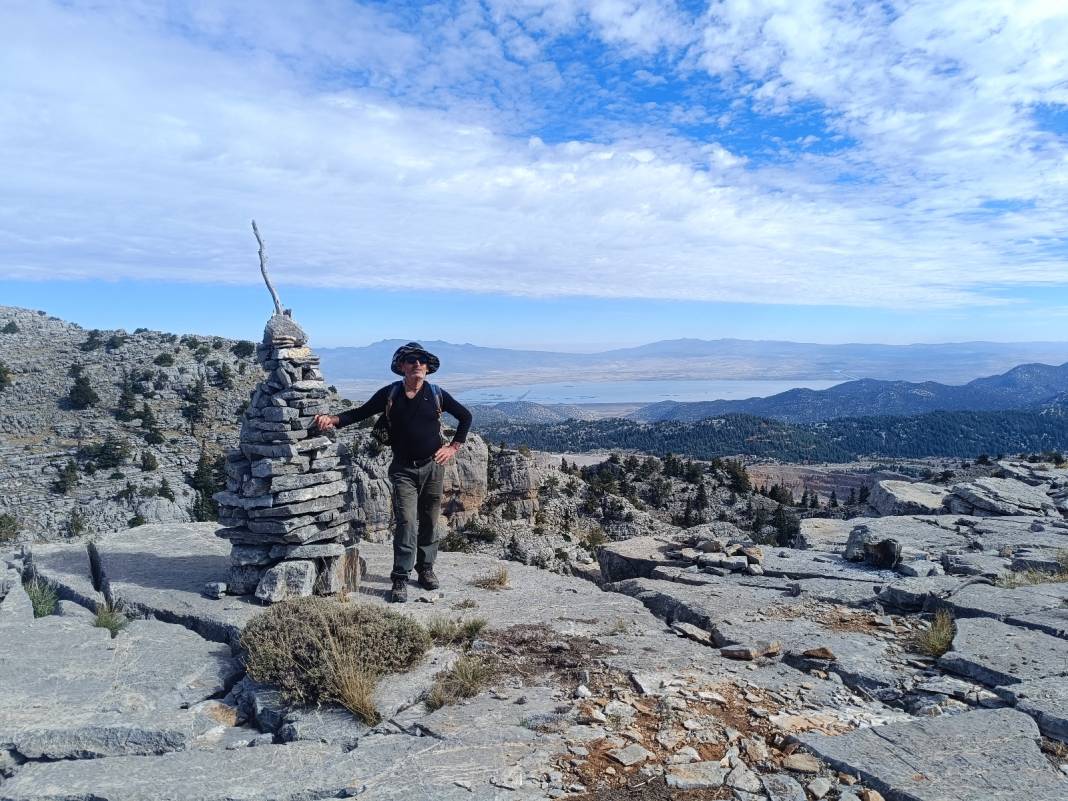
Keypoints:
(139, 144)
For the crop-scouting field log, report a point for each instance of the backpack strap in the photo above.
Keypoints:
(394, 389)
(436, 392)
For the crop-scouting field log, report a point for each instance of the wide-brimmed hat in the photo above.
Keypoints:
(414, 349)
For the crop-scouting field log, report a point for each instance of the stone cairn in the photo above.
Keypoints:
(287, 505)
(286, 508)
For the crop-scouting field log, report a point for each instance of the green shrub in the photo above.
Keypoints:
(9, 528)
(5, 376)
(149, 462)
(10, 328)
(43, 596)
(82, 395)
(164, 360)
(110, 618)
(94, 341)
(305, 645)
(243, 349)
(136, 521)
(67, 478)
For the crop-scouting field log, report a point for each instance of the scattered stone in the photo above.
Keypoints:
(632, 755)
(696, 776)
(781, 787)
(818, 788)
(802, 763)
(751, 651)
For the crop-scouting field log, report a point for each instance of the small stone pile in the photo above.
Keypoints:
(286, 505)
(719, 556)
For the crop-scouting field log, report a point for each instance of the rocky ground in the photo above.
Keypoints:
(702, 666)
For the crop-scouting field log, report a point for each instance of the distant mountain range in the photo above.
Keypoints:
(1023, 387)
(467, 366)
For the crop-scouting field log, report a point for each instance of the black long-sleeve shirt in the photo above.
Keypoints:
(415, 429)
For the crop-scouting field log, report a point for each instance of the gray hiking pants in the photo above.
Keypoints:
(416, 511)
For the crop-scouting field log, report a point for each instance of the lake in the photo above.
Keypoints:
(635, 391)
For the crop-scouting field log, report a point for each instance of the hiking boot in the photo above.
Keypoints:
(427, 579)
(399, 593)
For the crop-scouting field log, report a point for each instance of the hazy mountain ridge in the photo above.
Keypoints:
(468, 366)
(1019, 388)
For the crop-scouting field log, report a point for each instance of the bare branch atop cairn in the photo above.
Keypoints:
(263, 269)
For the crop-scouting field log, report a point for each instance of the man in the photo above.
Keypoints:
(419, 457)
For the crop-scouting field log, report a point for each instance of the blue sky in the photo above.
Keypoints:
(541, 173)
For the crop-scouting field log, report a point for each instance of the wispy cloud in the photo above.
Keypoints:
(783, 152)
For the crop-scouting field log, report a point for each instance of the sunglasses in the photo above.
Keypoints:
(416, 360)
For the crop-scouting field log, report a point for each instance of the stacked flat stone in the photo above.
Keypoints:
(286, 508)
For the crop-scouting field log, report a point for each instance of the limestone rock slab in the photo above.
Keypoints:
(996, 653)
(990, 754)
(1045, 700)
(155, 570)
(1000, 496)
(71, 691)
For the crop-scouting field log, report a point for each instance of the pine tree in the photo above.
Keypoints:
(206, 481)
(149, 426)
(834, 500)
(81, 394)
(149, 462)
(701, 502)
(852, 499)
(76, 523)
(196, 408)
(864, 494)
(165, 490)
(127, 406)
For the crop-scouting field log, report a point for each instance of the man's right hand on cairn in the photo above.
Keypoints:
(326, 422)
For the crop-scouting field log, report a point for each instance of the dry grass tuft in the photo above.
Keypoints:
(111, 618)
(938, 637)
(445, 630)
(493, 580)
(354, 688)
(43, 596)
(465, 679)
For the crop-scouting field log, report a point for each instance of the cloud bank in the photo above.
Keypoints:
(901, 155)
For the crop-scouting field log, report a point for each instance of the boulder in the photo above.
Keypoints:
(867, 546)
(1000, 496)
(906, 498)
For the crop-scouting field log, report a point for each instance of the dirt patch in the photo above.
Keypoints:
(841, 619)
(531, 651)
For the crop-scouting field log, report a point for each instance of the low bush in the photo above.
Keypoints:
(493, 580)
(465, 679)
(43, 596)
(314, 649)
(938, 637)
